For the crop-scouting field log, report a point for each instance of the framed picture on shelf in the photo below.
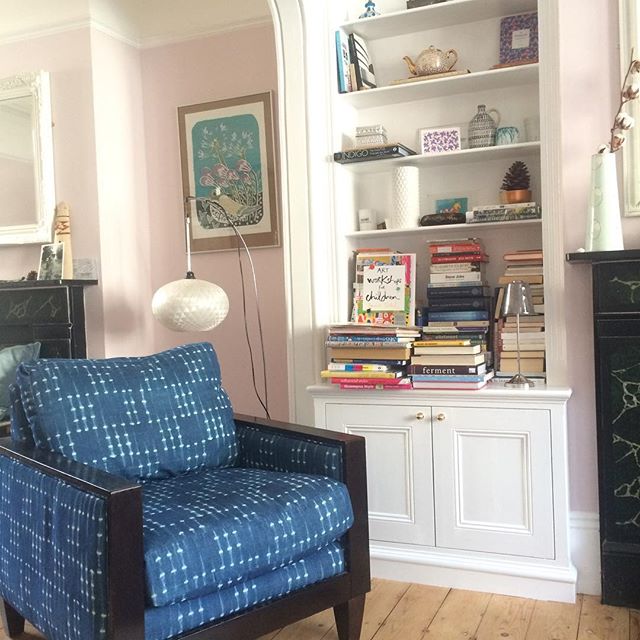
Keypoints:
(51, 261)
(440, 140)
(519, 39)
(452, 205)
(228, 157)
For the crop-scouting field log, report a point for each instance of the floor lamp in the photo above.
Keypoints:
(517, 302)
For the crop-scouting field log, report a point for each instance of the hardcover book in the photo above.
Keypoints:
(519, 39)
(471, 245)
(381, 152)
(343, 61)
(360, 58)
(385, 289)
(446, 370)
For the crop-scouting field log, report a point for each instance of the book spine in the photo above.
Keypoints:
(460, 304)
(462, 247)
(338, 344)
(356, 361)
(458, 267)
(447, 378)
(337, 366)
(459, 292)
(390, 382)
(458, 315)
(374, 387)
(503, 217)
(333, 337)
(448, 370)
(506, 207)
(458, 257)
(353, 55)
(370, 153)
(471, 276)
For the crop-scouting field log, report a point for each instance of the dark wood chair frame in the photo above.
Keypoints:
(125, 565)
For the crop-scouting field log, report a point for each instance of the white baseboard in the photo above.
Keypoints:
(511, 576)
(585, 550)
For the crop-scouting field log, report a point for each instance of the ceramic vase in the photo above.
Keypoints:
(406, 198)
(482, 128)
(604, 227)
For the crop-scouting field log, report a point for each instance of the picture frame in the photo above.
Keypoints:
(519, 39)
(51, 261)
(440, 140)
(227, 154)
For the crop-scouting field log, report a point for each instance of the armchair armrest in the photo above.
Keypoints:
(282, 446)
(70, 535)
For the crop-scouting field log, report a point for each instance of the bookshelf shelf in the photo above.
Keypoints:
(466, 229)
(453, 12)
(507, 151)
(475, 82)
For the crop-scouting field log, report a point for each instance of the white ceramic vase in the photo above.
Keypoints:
(604, 227)
(405, 207)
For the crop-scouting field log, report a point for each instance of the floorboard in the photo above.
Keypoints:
(403, 611)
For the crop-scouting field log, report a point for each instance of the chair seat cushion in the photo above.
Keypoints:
(145, 417)
(215, 528)
(161, 623)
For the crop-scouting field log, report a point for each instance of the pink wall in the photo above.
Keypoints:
(590, 84)
(124, 223)
(231, 64)
(67, 58)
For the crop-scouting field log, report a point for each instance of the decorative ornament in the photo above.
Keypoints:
(482, 128)
(369, 10)
(62, 233)
(515, 184)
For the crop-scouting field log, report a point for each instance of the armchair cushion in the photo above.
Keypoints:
(210, 530)
(146, 417)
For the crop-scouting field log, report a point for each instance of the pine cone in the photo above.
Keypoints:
(517, 177)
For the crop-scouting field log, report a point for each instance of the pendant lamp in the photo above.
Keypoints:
(190, 304)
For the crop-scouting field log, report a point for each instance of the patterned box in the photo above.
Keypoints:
(440, 140)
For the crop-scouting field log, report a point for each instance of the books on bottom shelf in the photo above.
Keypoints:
(444, 383)
(369, 385)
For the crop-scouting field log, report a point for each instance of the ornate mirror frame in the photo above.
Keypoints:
(628, 19)
(36, 85)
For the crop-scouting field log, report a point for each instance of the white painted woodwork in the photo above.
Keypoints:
(493, 480)
(399, 468)
(501, 509)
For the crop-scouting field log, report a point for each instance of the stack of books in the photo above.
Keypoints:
(527, 266)
(453, 352)
(367, 356)
(504, 213)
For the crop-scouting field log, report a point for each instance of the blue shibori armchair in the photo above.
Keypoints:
(135, 506)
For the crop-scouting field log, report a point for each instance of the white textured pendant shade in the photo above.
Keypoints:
(190, 305)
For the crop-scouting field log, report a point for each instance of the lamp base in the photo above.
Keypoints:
(519, 382)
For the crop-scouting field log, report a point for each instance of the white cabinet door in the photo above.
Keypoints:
(493, 480)
(399, 467)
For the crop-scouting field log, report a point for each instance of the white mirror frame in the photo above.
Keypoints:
(628, 15)
(36, 85)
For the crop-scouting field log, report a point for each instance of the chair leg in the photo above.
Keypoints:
(348, 617)
(12, 621)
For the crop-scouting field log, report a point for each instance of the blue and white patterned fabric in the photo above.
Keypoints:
(52, 553)
(260, 448)
(216, 528)
(20, 430)
(166, 622)
(147, 417)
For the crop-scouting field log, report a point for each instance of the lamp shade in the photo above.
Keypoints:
(517, 299)
(190, 305)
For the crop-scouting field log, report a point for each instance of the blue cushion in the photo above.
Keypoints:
(146, 417)
(216, 528)
(161, 623)
(10, 358)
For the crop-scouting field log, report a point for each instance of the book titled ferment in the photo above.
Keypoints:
(362, 154)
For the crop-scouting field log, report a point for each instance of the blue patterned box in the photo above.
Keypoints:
(519, 38)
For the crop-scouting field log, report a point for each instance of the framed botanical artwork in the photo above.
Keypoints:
(440, 140)
(228, 157)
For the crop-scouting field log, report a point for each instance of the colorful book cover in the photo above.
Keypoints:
(385, 289)
(342, 57)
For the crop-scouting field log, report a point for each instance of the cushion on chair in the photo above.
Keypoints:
(146, 417)
(10, 358)
(216, 528)
(161, 623)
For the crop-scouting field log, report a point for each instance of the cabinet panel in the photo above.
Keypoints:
(617, 287)
(493, 480)
(399, 467)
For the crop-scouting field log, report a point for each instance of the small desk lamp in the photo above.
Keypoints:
(517, 302)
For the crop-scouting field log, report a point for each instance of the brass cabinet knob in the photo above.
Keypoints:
(440, 417)
(419, 415)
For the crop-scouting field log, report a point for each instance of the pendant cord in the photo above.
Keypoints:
(265, 402)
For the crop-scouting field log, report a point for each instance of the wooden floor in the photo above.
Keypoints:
(401, 611)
